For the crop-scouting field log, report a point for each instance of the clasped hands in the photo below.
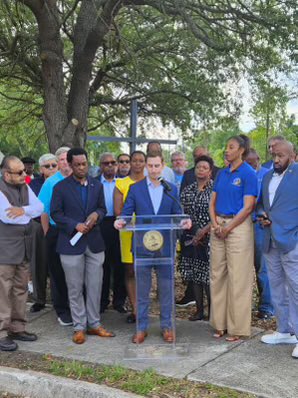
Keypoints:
(86, 226)
(221, 231)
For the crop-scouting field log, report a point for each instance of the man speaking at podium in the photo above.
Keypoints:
(147, 198)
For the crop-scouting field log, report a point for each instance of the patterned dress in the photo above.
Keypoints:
(194, 263)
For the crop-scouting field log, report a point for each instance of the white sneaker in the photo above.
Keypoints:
(295, 352)
(279, 338)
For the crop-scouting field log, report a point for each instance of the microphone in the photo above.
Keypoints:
(164, 183)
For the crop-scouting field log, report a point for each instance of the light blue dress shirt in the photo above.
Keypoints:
(108, 190)
(155, 193)
(46, 192)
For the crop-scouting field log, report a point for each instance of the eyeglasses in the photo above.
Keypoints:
(17, 173)
(48, 166)
(124, 161)
(112, 163)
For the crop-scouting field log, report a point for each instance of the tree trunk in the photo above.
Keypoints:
(51, 55)
(92, 25)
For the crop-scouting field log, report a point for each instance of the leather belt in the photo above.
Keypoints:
(226, 215)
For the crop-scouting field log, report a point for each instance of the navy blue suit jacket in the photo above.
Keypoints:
(68, 210)
(283, 212)
(138, 201)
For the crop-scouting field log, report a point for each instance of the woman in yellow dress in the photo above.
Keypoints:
(138, 160)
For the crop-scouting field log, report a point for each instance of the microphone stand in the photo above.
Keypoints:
(166, 191)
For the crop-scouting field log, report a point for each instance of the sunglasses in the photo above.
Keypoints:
(17, 173)
(124, 161)
(48, 166)
(113, 163)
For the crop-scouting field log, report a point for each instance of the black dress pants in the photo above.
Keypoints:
(39, 263)
(58, 284)
(112, 267)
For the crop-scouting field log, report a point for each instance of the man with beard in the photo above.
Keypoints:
(179, 165)
(278, 213)
(18, 205)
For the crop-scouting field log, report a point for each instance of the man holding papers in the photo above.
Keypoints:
(78, 206)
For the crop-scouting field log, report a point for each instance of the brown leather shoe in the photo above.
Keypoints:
(168, 335)
(79, 337)
(139, 337)
(101, 332)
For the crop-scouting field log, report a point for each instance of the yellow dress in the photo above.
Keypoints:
(123, 185)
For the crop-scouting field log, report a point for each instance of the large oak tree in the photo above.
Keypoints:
(86, 59)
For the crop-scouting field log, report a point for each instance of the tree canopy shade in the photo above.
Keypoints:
(83, 61)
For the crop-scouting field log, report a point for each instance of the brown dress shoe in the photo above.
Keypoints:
(101, 332)
(79, 337)
(139, 337)
(168, 336)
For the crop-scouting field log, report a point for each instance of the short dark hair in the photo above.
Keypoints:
(137, 153)
(151, 143)
(205, 158)
(75, 152)
(243, 142)
(154, 155)
(123, 154)
(253, 151)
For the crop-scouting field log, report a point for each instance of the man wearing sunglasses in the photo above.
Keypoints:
(123, 161)
(48, 166)
(112, 264)
(58, 284)
(18, 205)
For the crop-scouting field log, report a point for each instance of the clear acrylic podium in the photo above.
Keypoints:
(154, 249)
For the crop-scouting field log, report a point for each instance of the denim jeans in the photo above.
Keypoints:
(283, 276)
(165, 282)
(265, 303)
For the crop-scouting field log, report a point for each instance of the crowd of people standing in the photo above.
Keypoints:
(62, 223)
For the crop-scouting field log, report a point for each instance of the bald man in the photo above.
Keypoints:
(278, 214)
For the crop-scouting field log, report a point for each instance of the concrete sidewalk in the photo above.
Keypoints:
(251, 366)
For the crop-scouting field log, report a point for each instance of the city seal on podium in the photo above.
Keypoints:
(153, 241)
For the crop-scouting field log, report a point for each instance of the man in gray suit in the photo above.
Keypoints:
(278, 213)
(18, 205)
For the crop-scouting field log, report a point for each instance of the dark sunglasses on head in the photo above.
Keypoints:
(17, 173)
(48, 166)
(124, 161)
(112, 162)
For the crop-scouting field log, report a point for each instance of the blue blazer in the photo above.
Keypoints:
(138, 201)
(283, 212)
(67, 210)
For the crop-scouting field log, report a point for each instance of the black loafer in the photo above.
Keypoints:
(197, 316)
(36, 307)
(131, 318)
(121, 309)
(7, 344)
(22, 336)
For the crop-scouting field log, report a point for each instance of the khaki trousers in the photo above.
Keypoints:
(13, 297)
(231, 279)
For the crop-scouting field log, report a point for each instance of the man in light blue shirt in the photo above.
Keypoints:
(58, 285)
(112, 263)
(179, 165)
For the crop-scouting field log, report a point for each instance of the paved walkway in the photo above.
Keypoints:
(267, 371)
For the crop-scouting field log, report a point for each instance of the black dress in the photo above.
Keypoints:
(194, 263)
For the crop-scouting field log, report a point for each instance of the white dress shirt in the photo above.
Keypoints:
(273, 185)
(34, 209)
